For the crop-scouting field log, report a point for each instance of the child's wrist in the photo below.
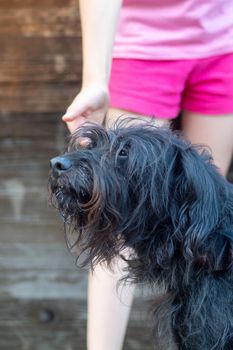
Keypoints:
(95, 83)
(95, 77)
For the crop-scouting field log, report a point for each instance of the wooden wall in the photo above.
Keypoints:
(40, 54)
(42, 292)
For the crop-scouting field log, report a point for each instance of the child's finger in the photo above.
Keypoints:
(68, 117)
(75, 110)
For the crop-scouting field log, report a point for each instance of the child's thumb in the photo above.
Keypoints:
(75, 110)
(68, 117)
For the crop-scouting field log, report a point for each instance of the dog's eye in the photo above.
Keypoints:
(123, 153)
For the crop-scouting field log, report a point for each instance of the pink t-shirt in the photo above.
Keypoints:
(174, 29)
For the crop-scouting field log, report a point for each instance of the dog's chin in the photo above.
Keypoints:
(61, 187)
(70, 204)
(73, 199)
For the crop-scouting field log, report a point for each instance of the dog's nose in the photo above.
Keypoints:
(60, 164)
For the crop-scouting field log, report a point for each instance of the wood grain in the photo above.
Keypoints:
(40, 55)
(44, 22)
(40, 60)
(39, 97)
(60, 325)
(16, 4)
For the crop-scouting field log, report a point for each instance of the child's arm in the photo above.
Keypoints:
(99, 21)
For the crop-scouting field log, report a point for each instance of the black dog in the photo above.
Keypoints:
(143, 187)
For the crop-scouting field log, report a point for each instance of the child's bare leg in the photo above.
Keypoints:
(214, 131)
(108, 311)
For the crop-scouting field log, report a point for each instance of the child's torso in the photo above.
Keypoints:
(174, 29)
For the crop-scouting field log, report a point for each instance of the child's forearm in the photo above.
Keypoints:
(99, 20)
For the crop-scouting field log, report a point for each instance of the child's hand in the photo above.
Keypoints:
(90, 104)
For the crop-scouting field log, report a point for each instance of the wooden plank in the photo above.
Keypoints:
(37, 233)
(39, 60)
(52, 324)
(27, 143)
(39, 97)
(40, 42)
(15, 4)
(31, 128)
(24, 206)
(42, 292)
(37, 284)
(44, 22)
(44, 325)
(35, 263)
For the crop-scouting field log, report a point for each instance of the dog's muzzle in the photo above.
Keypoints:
(60, 165)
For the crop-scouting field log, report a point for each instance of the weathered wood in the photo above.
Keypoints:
(52, 324)
(21, 134)
(42, 325)
(16, 4)
(36, 59)
(40, 55)
(44, 22)
(27, 142)
(37, 97)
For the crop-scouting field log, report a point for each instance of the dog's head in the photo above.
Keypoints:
(139, 186)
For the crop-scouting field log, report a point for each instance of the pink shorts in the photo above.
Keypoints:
(164, 88)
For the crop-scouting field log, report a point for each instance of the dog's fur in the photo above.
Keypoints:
(146, 188)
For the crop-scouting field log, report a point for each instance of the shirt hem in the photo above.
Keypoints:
(219, 52)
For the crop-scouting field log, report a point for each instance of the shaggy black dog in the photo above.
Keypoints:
(144, 187)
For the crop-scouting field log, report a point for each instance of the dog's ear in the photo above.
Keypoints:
(199, 187)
